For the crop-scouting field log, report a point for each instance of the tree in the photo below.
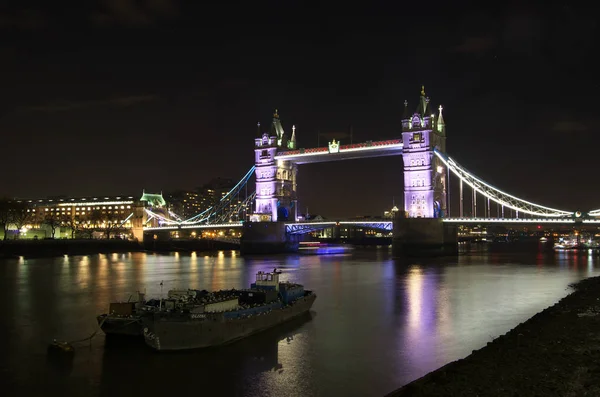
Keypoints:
(80, 227)
(53, 220)
(13, 213)
(5, 215)
(103, 221)
(73, 223)
(111, 227)
(19, 215)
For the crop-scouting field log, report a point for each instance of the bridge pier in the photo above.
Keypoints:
(423, 237)
(267, 238)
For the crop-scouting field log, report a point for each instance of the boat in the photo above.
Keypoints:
(576, 242)
(215, 318)
(319, 248)
(125, 318)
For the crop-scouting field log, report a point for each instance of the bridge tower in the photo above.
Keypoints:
(275, 179)
(425, 184)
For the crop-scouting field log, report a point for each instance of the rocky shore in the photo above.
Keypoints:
(555, 353)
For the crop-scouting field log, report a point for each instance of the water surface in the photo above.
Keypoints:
(378, 323)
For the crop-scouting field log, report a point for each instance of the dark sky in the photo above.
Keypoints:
(119, 95)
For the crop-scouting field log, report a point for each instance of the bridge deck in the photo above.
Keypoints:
(390, 147)
(381, 224)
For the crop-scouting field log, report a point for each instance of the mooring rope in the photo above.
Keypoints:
(93, 333)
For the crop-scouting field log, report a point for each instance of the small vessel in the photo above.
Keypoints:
(215, 318)
(124, 318)
(319, 248)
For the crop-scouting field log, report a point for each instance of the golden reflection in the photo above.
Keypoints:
(221, 260)
(84, 271)
(115, 257)
(102, 269)
(233, 253)
(138, 261)
(102, 259)
(177, 256)
(415, 293)
(21, 260)
(65, 260)
(194, 270)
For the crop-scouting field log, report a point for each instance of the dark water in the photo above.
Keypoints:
(377, 324)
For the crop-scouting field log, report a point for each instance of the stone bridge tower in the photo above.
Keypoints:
(425, 181)
(275, 179)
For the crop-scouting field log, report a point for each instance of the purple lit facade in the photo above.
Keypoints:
(275, 179)
(265, 149)
(424, 174)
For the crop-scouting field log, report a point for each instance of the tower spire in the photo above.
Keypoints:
(440, 120)
(292, 141)
(277, 129)
(405, 115)
(423, 102)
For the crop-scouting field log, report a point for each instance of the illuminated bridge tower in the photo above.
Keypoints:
(275, 179)
(424, 174)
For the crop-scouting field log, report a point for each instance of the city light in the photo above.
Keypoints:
(71, 204)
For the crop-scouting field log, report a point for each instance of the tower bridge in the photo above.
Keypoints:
(271, 211)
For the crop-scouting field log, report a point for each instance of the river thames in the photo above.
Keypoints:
(377, 324)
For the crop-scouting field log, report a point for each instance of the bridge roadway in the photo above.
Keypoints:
(305, 227)
(390, 147)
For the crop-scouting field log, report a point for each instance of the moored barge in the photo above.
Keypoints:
(212, 319)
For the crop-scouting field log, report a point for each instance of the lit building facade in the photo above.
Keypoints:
(101, 216)
(425, 175)
(185, 204)
(276, 180)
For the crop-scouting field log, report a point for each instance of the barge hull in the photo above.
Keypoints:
(195, 334)
(121, 326)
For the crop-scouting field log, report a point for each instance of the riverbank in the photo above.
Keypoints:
(59, 247)
(555, 353)
(53, 248)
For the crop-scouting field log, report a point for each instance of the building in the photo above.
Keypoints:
(213, 191)
(275, 180)
(391, 214)
(184, 204)
(88, 217)
(424, 174)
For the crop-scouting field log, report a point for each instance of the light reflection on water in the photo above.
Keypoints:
(378, 323)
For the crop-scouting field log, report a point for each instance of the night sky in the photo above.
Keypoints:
(120, 95)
